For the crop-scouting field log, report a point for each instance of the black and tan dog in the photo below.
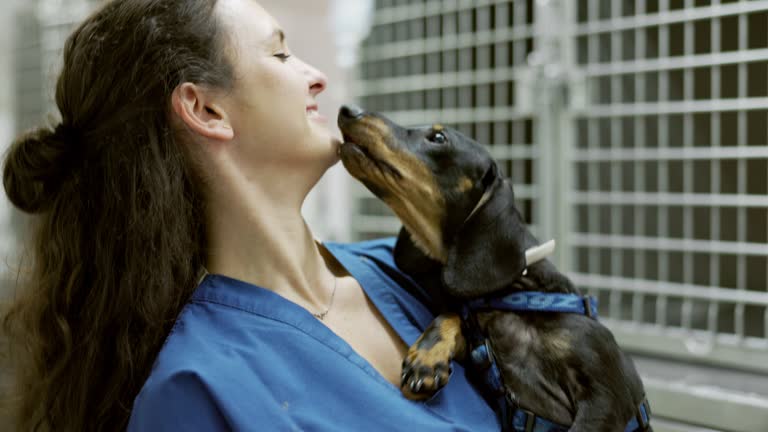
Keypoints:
(463, 239)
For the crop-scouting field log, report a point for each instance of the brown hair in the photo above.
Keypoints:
(119, 232)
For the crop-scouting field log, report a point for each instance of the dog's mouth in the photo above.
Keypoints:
(359, 151)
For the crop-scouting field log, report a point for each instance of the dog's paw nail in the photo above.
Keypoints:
(404, 380)
(437, 380)
(416, 385)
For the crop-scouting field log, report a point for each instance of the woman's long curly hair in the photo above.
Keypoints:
(118, 228)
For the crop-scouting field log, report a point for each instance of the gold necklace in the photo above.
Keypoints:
(322, 315)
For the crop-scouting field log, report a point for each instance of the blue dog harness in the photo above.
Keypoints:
(513, 417)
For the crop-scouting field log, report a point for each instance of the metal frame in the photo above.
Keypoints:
(668, 289)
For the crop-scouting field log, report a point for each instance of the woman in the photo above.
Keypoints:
(189, 140)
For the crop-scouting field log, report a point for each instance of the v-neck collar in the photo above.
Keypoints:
(257, 300)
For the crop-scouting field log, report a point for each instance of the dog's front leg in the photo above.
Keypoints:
(427, 366)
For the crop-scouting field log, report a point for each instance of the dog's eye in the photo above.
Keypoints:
(437, 138)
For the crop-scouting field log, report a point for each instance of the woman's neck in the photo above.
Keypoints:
(258, 235)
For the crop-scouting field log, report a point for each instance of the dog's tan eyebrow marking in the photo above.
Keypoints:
(438, 127)
(464, 184)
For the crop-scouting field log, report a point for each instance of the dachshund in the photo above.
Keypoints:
(463, 241)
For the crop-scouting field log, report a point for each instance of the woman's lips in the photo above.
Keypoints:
(314, 114)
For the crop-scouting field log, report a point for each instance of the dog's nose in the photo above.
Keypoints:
(351, 112)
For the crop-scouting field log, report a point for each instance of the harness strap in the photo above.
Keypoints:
(526, 421)
(642, 418)
(535, 301)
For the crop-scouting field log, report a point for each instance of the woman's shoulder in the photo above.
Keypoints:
(216, 355)
(200, 396)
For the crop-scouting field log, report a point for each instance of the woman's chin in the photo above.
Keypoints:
(327, 146)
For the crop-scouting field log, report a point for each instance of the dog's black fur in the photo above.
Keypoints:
(564, 367)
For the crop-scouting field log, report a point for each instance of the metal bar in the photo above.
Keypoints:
(718, 153)
(666, 108)
(689, 61)
(741, 262)
(428, 9)
(670, 289)
(507, 151)
(438, 80)
(668, 244)
(593, 260)
(662, 212)
(666, 17)
(685, 153)
(617, 255)
(691, 345)
(459, 40)
(457, 115)
(688, 178)
(638, 300)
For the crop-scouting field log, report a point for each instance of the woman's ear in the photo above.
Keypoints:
(197, 108)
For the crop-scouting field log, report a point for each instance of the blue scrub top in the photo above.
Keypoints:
(241, 357)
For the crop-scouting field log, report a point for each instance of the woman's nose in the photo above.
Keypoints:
(317, 80)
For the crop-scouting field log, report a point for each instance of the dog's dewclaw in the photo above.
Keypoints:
(427, 366)
(538, 253)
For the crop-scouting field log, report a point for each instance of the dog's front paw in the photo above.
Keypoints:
(427, 367)
(423, 374)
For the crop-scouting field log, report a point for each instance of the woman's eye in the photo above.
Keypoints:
(283, 56)
(437, 138)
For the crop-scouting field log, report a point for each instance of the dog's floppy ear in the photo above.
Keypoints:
(488, 252)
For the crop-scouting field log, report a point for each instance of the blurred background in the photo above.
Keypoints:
(635, 132)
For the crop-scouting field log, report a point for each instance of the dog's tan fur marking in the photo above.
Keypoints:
(438, 127)
(464, 185)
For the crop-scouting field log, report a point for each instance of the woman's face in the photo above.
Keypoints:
(272, 106)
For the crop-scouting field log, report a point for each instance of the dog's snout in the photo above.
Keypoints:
(351, 112)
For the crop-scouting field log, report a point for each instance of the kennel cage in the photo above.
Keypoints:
(636, 134)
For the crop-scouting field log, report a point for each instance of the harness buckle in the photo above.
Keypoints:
(530, 420)
(481, 356)
(513, 409)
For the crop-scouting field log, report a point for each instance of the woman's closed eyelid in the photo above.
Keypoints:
(282, 56)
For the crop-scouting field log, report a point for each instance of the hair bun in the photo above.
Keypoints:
(35, 166)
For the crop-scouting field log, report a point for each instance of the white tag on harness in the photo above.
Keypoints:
(538, 253)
